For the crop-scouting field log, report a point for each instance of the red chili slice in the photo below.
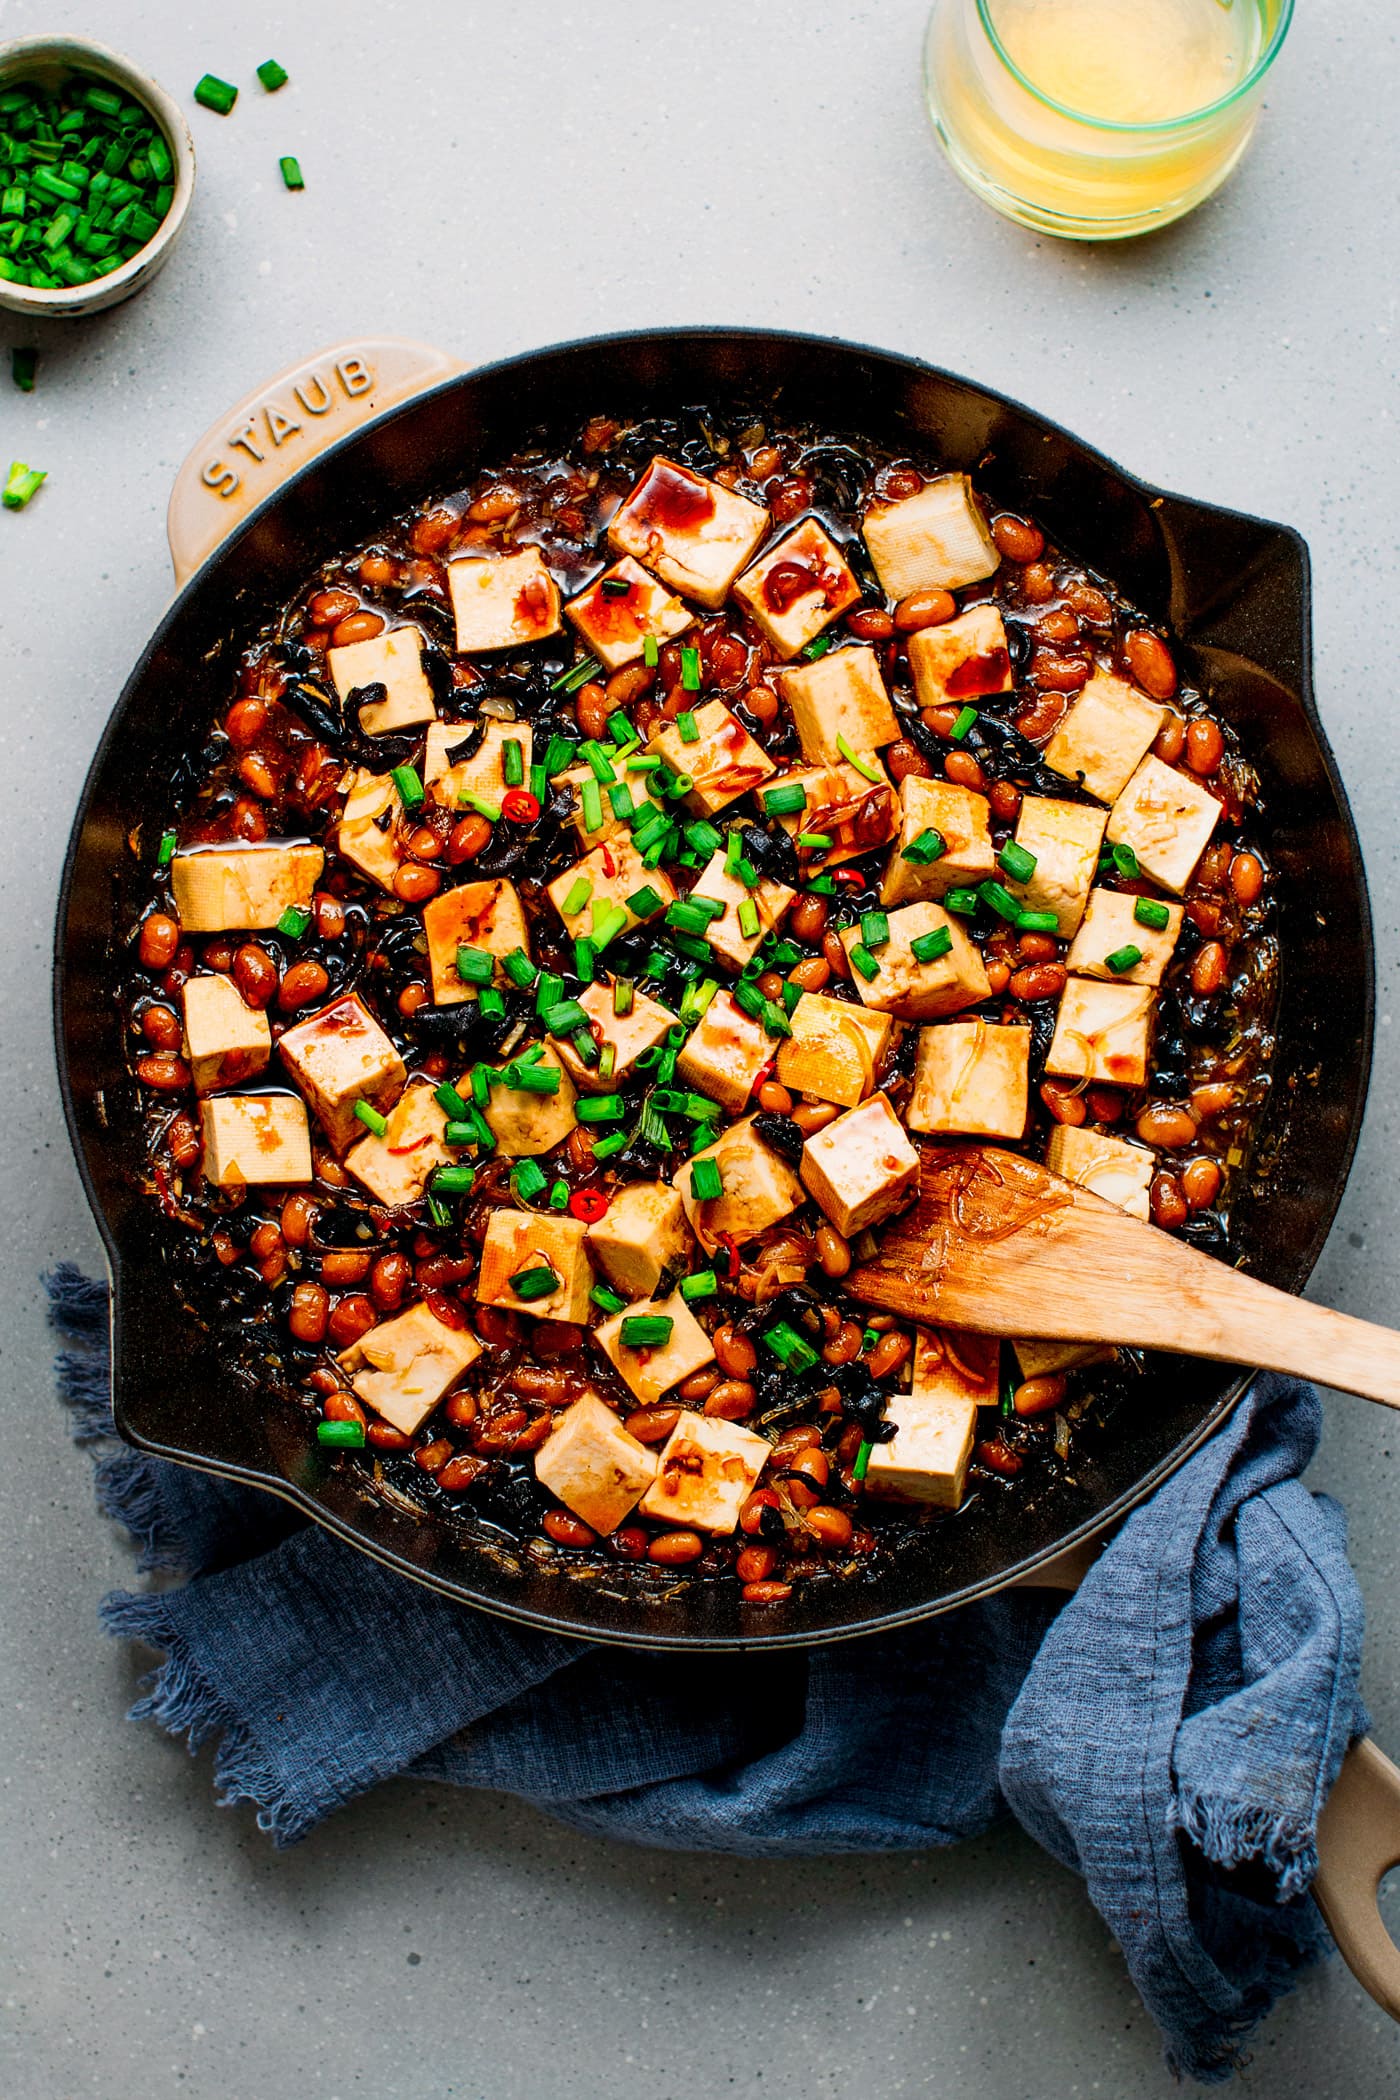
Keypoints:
(520, 806)
(588, 1204)
(731, 1254)
(847, 875)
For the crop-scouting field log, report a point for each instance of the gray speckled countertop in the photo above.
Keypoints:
(492, 177)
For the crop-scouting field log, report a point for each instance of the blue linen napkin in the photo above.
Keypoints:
(1170, 1733)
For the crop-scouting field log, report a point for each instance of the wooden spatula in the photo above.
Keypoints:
(999, 1245)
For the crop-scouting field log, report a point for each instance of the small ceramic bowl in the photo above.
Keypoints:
(50, 59)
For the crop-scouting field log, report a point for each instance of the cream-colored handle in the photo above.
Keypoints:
(282, 424)
(1358, 1832)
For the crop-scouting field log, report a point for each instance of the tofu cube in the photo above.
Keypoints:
(650, 1372)
(616, 871)
(708, 1470)
(1167, 818)
(614, 621)
(252, 1139)
(835, 1049)
(226, 1041)
(856, 814)
(760, 1188)
(1065, 838)
(1119, 1172)
(395, 661)
(1102, 1033)
(926, 1461)
(502, 603)
(972, 1078)
(591, 1465)
(403, 1367)
(935, 540)
(692, 533)
(797, 587)
(395, 1168)
(448, 780)
(340, 1056)
(964, 659)
(1108, 926)
(474, 915)
(862, 1167)
(1039, 1359)
(1108, 731)
(644, 1028)
(242, 889)
(526, 1124)
(644, 1234)
(921, 991)
(724, 1055)
(840, 695)
(520, 1240)
(961, 817)
(368, 835)
(724, 762)
(770, 900)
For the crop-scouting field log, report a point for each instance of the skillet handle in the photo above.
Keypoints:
(1358, 1832)
(246, 454)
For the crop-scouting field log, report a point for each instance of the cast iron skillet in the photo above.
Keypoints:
(1234, 588)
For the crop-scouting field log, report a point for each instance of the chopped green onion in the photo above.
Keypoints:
(703, 838)
(438, 1214)
(706, 1181)
(597, 761)
(703, 1284)
(601, 1294)
(22, 362)
(165, 852)
(559, 1196)
(482, 804)
(564, 1018)
(690, 671)
(651, 655)
(614, 586)
(580, 890)
(272, 75)
(928, 947)
(1037, 922)
(928, 847)
(585, 957)
(864, 961)
(1126, 862)
(592, 805)
(1125, 958)
(624, 991)
(694, 915)
(998, 900)
(961, 901)
(410, 787)
(448, 1099)
(620, 801)
(513, 762)
(579, 675)
(529, 1284)
(688, 727)
(785, 801)
(532, 1079)
(549, 990)
(519, 969)
(607, 1059)
(814, 842)
(874, 929)
(748, 919)
(341, 1436)
(371, 1118)
(218, 95)
(818, 647)
(1148, 912)
(1015, 861)
(475, 965)
(604, 1148)
(964, 723)
(483, 1079)
(459, 1133)
(866, 767)
(647, 1331)
(585, 1049)
(861, 1466)
(292, 177)
(600, 1108)
(680, 784)
(644, 902)
(774, 1018)
(454, 1181)
(528, 1180)
(790, 1348)
(609, 920)
(21, 483)
(294, 922)
(559, 755)
(619, 728)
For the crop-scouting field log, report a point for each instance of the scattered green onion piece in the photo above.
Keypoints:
(533, 1079)
(615, 1141)
(690, 671)
(874, 929)
(528, 1180)
(607, 1060)
(688, 727)
(601, 1295)
(651, 654)
(866, 767)
(647, 763)
(549, 990)
(647, 1331)
(791, 1350)
(341, 1436)
(643, 903)
(864, 961)
(294, 922)
(1037, 922)
(559, 1196)
(529, 1284)
(592, 805)
(620, 800)
(966, 719)
(580, 890)
(371, 1118)
(579, 675)
(272, 75)
(292, 177)
(678, 785)
(585, 1049)
(598, 762)
(928, 847)
(454, 1181)
(706, 1181)
(438, 1214)
(21, 483)
(513, 762)
(475, 965)
(694, 915)
(927, 947)
(821, 886)
(784, 955)
(862, 1464)
(998, 900)
(869, 1337)
(410, 787)
(481, 804)
(565, 1017)
(459, 1133)
(482, 1078)
(619, 728)
(519, 969)
(609, 920)
(585, 959)
(703, 1284)
(962, 901)
(785, 801)
(1148, 912)
(600, 1108)
(218, 95)
(1015, 861)
(1125, 958)
(165, 852)
(749, 919)
(22, 362)
(614, 586)
(817, 647)
(624, 991)
(774, 1018)
(703, 839)
(448, 1099)
(689, 945)
(1126, 862)
(559, 755)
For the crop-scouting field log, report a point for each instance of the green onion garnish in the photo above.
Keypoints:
(454, 1181)
(580, 890)
(607, 1058)
(592, 805)
(601, 1295)
(22, 362)
(785, 801)
(458, 1133)
(1015, 861)
(294, 922)
(600, 1108)
(410, 787)
(861, 1466)
(213, 93)
(749, 924)
(644, 902)
(481, 804)
(585, 957)
(706, 1181)
(449, 1100)
(165, 852)
(513, 762)
(928, 847)
(818, 647)
(371, 1118)
(690, 670)
(1037, 922)
(694, 915)
(292, 177)
(604, 1148)
(624, 991)
(703, 839)
(559, 1196)
(272, 75)
(519, 969)
(438, 1213)
(549, 990)
(21, 483)
(1126, 862)
(874, 929)
(614, 586)
(998, 900)
(688, 727)
(475, 965)
(1126, 958)
(565, 1018)
(620, 801)
(647, 1331)
(790, 1348)
(651, 655)
(341, 1436)
(962, 901)
(528, 1180)
(529, 1284)
(579, 675)
(814, 842)
(927, 947)
(532, 1079)
(964, 723)
(597, 761)
(864, 961)
(703, 1284)
(559, 755)
(1148, 912)
(585, 1049)
(609, 920)
(866, 767)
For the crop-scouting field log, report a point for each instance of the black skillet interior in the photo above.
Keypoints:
(1234, 588)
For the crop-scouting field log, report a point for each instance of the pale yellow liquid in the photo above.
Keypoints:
(1131, 61)
(1105, 63)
